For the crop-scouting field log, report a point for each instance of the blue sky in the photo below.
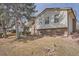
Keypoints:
(41, 6)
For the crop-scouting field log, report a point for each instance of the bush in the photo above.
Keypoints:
(28, 33)
(13, 31)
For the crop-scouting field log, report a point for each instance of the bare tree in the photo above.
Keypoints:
(22, 10)
(16, 10)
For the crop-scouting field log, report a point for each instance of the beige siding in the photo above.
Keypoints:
(50, 14)
(70, 28)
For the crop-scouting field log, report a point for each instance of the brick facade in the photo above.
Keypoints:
(51, 32)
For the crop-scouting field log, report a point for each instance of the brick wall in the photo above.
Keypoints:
(51, 32)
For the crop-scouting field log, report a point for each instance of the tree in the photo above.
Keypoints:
(3, 18)
(17, 11)
(20, 10)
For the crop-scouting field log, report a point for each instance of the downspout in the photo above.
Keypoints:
(68, 23)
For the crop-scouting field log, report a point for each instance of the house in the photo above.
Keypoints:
(55, 21)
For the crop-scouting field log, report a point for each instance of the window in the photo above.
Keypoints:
(40, 21)
(56, 19)
(47, 20)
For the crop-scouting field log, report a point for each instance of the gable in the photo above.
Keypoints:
(69, 10)
(51, 9)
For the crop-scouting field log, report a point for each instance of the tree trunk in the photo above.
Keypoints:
(4, 29)
(17, 29)
(24, 30)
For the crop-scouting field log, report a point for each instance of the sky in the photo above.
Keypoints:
(41, 6)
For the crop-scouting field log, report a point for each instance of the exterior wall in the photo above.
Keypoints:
(71, 22)
(61, 24)
(53, 32)
(70, 27)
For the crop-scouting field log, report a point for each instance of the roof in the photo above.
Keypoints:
(49, 9)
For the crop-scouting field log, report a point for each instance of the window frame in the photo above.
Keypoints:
(47, 20)
(56, 20)
(40, 21)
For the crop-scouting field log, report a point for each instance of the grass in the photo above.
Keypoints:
(40, 47)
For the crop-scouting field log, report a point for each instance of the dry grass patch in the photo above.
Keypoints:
(42, 46)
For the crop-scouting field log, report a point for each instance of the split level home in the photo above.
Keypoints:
(54, 21)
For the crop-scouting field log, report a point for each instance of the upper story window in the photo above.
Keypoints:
(56, 19)
(40, 21)
(47, 20)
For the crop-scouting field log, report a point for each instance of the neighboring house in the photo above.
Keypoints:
(55, 20)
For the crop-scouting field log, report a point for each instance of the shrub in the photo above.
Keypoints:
(13, 31)
(28, 33)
